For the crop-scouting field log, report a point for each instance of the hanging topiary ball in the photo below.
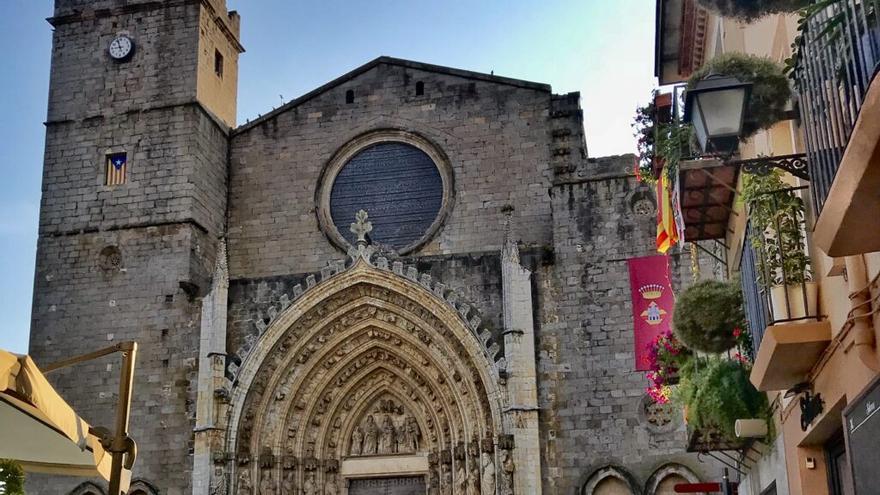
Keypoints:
(706, 315)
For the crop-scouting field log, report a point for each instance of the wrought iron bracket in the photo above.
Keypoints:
(795, 164)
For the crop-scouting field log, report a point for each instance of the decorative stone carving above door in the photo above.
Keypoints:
(367, 364)
(387, 429)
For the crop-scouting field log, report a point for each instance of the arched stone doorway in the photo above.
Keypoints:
(369, 378)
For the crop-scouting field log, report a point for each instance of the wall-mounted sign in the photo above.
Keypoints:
(862, 431)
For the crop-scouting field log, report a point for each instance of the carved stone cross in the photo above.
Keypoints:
(361, 227)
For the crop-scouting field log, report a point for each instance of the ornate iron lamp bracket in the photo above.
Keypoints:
(794, 164)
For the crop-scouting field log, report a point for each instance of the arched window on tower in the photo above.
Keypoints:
(349, 96)
(420, 88)
(612, 486)
(667, 485)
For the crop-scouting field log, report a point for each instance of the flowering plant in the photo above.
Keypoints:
(743, 345)
(666, 355)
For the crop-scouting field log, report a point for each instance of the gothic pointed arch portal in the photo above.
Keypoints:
(368, 375)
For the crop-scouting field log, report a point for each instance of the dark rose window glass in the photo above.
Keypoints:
(397, 184)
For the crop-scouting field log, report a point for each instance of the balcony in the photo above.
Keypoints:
(779, 296)
(839, 105)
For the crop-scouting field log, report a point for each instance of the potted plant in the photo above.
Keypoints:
(706, 314)
(749, 10)
(778, 235)
(769, 94)
(661, 142)
(716, 392)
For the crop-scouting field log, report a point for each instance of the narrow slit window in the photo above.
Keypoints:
(349, 96)
(117, 165)
(218, 63)
(420, 88)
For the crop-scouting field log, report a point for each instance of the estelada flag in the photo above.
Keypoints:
(667, 230)
(652, 303)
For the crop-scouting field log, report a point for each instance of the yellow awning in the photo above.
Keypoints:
(40, 430)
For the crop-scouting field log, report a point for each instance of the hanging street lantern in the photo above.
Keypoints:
(716, 107)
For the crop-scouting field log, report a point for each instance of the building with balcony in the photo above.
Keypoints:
(815, 336)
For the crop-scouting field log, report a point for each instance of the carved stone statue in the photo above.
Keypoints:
(309, 485)
(331, 488)
(245, 485)
(387, 440)
(267, 486)
(371, 436)
(474, 479)
(357, 440)
(218, 481)
(461, 481)
(507, 468)
(487, 485)
(412, 434)
(288, 485)
(446, 487)
(400, 440)
(433, 482)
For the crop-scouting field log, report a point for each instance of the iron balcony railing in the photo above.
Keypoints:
(754, 302)
(839, 56)
(775, 270)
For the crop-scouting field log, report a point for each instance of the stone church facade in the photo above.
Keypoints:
(409, 280)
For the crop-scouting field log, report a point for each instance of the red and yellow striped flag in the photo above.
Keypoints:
(116, 165)
(667, 231)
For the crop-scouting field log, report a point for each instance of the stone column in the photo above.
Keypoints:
(522, 390)
(212, 363)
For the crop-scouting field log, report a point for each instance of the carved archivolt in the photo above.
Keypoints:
(366, 363)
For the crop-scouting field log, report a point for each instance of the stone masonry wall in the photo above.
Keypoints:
(176, 172)
(592, 410)
(128, 262)
(84, 301)
(495, 136)
(86, 82)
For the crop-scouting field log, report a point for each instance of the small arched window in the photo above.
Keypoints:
(667, 484)
(612, 486)
(420, 88)
(349, 96)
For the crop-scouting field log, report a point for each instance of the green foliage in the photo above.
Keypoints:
(673, 144)
(706, 315)
(659, 144)
(11, 478)
(830, 29)
(644, 130)
(777, 215)
(749, 10)
(770, 90)
(716, 392)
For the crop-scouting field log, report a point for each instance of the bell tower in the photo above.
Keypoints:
(141, 101)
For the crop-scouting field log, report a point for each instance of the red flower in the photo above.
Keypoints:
(737, 332)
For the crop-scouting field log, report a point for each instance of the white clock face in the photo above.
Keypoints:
(121, 47)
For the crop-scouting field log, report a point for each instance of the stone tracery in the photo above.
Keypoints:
(379, 346)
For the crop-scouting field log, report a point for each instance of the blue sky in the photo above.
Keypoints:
(602, 48)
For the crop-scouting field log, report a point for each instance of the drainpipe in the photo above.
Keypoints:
(860, 312)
